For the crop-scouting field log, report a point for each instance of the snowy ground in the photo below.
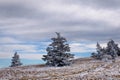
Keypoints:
(82, 69)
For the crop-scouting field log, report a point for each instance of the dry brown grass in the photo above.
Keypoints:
(82, 69)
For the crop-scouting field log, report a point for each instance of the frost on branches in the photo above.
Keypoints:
(15, 60)
(58, 52)
(110, 52)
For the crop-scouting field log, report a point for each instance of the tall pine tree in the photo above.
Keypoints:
(112, 49)
(15, 60)
(58, 52)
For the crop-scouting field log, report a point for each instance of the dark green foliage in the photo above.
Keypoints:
(15, 60)
(58, 52)
(112, 50)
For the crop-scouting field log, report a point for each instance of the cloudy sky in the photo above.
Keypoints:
(26, 26)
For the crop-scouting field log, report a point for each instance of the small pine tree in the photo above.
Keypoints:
(99, 51)
(15, 60)
(99, 48)
(58, 52)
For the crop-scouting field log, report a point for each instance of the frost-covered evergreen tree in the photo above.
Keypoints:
(99, 51)
(58, 52)
(15, 60)
(112, 50)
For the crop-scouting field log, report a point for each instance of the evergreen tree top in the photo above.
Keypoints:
(16, 55)
(59, 39)
(58, 34)
(99, 48)
(98, 45)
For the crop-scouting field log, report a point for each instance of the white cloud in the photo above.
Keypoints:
(84, 47)
(60, 8)
(5, 55)
(25, 51)
(9, 45)
(17, 47)
(8, 40)
(32, 56)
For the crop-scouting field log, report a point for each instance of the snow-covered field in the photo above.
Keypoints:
(82, 69)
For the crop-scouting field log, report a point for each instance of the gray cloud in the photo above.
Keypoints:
(77, 20)
(105, 4)
(25, 23)
(13, 10)
(20, 10)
